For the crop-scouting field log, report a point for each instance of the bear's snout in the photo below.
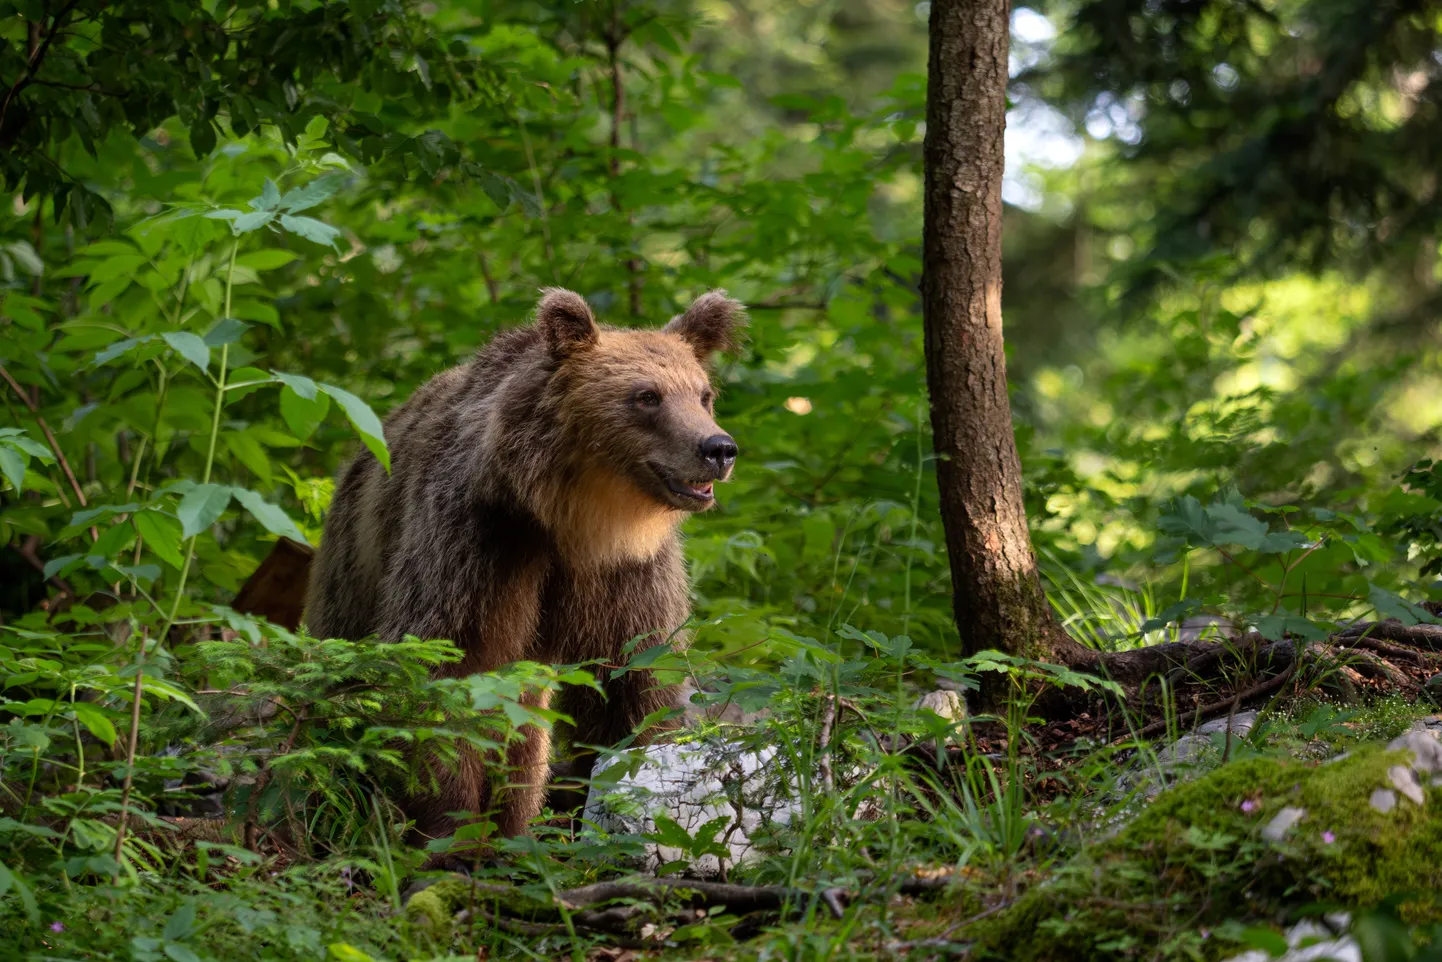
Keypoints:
(719, 451)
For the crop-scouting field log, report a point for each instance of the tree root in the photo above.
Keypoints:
(1207, 712)
(1426, 637)
(1367, 655)
(661, 900)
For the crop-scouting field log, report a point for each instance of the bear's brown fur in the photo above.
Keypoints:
(532, 513)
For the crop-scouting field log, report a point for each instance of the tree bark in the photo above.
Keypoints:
(997, 593)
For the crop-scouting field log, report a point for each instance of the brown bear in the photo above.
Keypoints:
(532, 513)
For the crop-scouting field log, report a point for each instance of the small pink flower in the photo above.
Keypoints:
(1328, 838)
(1249, 806)
(57, 926)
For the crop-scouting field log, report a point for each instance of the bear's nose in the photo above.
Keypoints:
(720, 450)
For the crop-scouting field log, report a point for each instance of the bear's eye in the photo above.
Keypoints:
(648, 399)
(706, 399)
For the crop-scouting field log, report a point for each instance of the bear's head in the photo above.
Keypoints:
(638, 404)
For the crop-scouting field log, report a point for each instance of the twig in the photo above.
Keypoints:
(130, 752)
(37, 57)
(262, 781)
(27, 550)
(491, 288)
(50, 439)
(823, 745)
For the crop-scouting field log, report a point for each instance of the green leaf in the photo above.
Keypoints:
(202, 137)
(143, 573)
(82, 518)
(1231, 525)
(181, 924)
(1390, 605)
(311, 229)
(266, 260)
(227, 330)
(1267, 940)
(251, 453)
(162, 535)
(201, 507)
(272, 517)
(26, 257)
(364, 420)
(17, 438)
(178, 952)
(255, 220)
(298, 383)
(345, 952)
(94, 719)
(303, 416)
(496, 188)
(8, 881)
(117, 349)
(190, 347)
(1275, 626)
(316, 192)
(56, 565)
(644, 659)
(269, 198)
(12, 465)
(122, 265)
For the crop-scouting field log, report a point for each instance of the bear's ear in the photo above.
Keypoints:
(566, 320)
(712, 323)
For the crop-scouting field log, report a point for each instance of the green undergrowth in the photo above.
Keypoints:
(318, 913)
(1176, 877)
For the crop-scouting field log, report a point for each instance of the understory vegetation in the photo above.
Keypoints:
(236, 234)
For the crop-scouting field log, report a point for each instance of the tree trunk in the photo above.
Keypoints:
(997, 593)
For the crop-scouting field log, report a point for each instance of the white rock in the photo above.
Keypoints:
(946, 705)
(1405, 781)
(692, 784)
(944, 702)
(1324, 947)
(1190, 748)
(1282, 822)
(1242, 723)
(1423, 743)
(1383, 800)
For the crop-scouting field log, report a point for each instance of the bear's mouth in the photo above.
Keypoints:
(685, 494)
(701, 491)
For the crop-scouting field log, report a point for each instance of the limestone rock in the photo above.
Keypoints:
(1425, 745)
(695, 783)
(947, 705)
(1405, 781)
(1324, 945)
(1282, 822)
(1383, 800)
(943, 702)
(1190, 748)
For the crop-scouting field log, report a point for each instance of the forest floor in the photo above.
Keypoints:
(1082, 825)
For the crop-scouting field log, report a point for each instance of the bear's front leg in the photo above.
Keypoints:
(528, 765)
(606, 719)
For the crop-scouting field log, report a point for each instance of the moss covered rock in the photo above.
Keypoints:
(1244, 843)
